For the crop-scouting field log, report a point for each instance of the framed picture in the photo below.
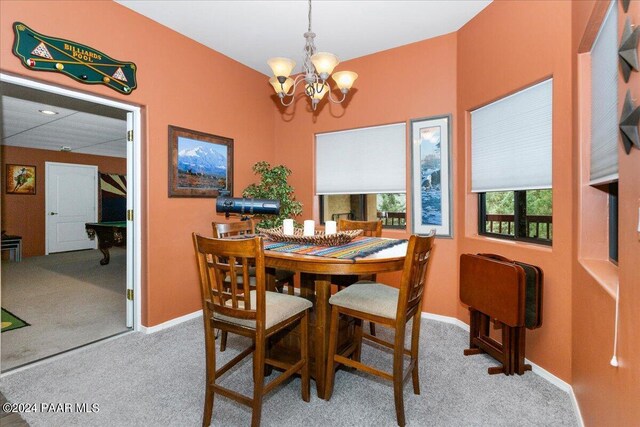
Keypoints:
(431, 175)
(200, 164)
(21, 179)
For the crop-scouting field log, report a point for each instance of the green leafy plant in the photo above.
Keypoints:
(273, 185)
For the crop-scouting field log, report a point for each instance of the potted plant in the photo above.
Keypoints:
(273, 185)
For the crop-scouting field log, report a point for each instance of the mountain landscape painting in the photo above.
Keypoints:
(201, 165)
(430, 182)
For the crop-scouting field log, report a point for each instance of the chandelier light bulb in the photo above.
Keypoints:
(317, 91)
(344, 80)
(324, 63)
(281, 66)
(281, 89)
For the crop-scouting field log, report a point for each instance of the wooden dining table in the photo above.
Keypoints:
(315, 285)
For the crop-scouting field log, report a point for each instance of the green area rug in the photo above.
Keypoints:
(10, 321)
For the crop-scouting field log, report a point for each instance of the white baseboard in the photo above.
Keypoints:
(561, 384)
(576, 407)
(446, 319)
(170, 323)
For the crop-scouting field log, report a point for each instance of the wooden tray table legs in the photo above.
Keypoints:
(510, 353)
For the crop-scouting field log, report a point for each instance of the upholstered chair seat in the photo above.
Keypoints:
(279, 307)
(369, 297)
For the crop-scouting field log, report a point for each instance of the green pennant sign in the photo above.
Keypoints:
(82, 63)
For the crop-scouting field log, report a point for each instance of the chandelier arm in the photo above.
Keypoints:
(335, 101)
(296, 81)
(286, 104)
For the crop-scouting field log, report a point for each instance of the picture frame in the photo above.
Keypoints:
(431, 179)
(200, 164)
(20, 179)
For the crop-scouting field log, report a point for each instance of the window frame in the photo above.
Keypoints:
(519, 224)
(613, 222)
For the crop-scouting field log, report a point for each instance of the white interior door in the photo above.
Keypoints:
(130, 231)
(71, 200)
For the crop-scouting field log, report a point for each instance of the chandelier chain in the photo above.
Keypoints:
(309, 16)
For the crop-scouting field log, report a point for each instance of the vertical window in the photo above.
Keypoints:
(604, 120)
(511, 143)
(604, 101)
(361, 174)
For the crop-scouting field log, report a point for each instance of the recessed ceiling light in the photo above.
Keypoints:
(48, 112)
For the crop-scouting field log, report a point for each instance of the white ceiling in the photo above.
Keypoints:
(248, 31)
(253, 31)
(83, 132)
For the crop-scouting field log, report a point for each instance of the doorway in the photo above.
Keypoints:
(65, 242)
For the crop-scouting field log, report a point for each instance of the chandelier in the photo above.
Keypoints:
(316, 69)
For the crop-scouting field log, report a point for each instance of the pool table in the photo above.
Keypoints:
(110, 234)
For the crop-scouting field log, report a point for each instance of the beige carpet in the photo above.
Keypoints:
(68, 298)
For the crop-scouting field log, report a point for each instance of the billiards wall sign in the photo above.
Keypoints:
(82, 63)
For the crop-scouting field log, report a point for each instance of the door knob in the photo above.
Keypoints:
(53, 213)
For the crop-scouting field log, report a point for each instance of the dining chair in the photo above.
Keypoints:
(256, 314)
(237, 228)
(389, 306)
(369, 229)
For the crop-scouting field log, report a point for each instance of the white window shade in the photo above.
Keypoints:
(511, 141)
(362, 161)
(604, 101)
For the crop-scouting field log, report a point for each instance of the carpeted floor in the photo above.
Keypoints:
(68, 299)
(158, 379)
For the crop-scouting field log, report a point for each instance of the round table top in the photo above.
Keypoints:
(388, 259)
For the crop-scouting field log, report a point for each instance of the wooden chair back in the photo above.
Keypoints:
(222, 258)
(370, 228)
(227, 229)
(414, 276)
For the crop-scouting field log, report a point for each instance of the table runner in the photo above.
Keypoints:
(357, 248)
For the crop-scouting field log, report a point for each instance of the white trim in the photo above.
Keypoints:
(543, 373)
(576, 407)
(445, 319)
(561, 384)
(170, 323)
(137, 172)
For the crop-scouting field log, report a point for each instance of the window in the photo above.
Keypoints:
(603, 173)
(390, 208)
(518, 215)
(361, 174)
(604, 101)
(511, 142)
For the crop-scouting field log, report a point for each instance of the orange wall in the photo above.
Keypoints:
(24, 215)
(608, 395)
(182, 83)
(508, 46)
(412, 81)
